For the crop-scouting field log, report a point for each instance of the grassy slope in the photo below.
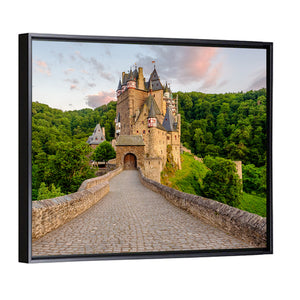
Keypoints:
(189, 180)
(254, 204)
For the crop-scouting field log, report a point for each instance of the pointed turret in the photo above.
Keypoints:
(169, 122)
(152, 120)
(155, 82)
(119, 90)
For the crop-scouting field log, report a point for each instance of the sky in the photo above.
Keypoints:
(74, 75)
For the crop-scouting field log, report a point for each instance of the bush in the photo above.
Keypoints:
(222, 182)
(254, 179)
(45, 193)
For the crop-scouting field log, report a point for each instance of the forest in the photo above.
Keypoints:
(231, 126)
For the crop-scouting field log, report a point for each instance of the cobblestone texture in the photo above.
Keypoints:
(132, 218)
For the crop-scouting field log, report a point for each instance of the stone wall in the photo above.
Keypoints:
(241, 224)
(49, 214)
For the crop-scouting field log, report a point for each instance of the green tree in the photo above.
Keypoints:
(104, 152)
(45, 193)
(70, 166)
(222, 182)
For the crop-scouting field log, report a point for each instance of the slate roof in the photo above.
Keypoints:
(154, 82)
(120, 85)
(130, 140)
(97, 137)
(169, 121)
(152, 113)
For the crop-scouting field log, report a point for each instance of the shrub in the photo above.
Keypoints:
(222, 182)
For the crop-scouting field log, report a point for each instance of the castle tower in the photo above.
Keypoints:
(131, 82)
(152, 121)
(149, 124)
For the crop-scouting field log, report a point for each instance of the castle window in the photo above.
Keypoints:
(143, 122)
(175, 137)
(137, 131)
(149, 130)
(168, 137)
(144, 131)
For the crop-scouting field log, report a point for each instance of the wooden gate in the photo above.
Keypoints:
(129, 161)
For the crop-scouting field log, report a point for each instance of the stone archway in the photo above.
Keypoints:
(130, 161)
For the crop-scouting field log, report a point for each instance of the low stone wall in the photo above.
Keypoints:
(49, 214)
(95, 181)
(241, 224)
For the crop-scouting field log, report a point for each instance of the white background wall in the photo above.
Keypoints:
(249, 277)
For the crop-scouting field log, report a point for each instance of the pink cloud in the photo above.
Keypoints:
(181, 64)
(199, 61)
(73, 86)
(100, 99)
(42, 67)
(212, 76)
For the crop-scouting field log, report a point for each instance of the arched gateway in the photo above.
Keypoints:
(130, 151)
(130, 161)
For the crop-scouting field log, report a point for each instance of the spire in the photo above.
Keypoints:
(166, 87)
(152, 120)
(169, 121)
(119, 86)
(152, 113)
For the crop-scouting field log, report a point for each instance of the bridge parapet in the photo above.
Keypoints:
(241, 224)
(50, 214)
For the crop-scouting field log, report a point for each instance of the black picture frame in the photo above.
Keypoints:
(25, 98)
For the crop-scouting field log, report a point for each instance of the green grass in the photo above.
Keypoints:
(254, 204)
(189, 178)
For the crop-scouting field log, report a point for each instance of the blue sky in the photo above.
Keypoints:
(73, 75)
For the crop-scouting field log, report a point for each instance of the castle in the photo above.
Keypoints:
(147, 124)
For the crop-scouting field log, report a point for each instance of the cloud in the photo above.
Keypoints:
(100, 98)
(96, 65)
(91, 85)
(74, 83)
(259, 81)
(68, 71)
(212, 76)
(183, 64)
(74, 80)
(42, 67)
(222, 83)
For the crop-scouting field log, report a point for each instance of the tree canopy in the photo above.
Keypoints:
(104, 152)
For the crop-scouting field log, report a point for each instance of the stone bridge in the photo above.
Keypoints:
(139, 215)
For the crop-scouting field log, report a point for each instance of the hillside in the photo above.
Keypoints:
(231, 125)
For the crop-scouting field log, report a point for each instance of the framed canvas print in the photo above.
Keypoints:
(143, 147)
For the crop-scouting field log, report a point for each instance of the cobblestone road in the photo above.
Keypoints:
(132, 218)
